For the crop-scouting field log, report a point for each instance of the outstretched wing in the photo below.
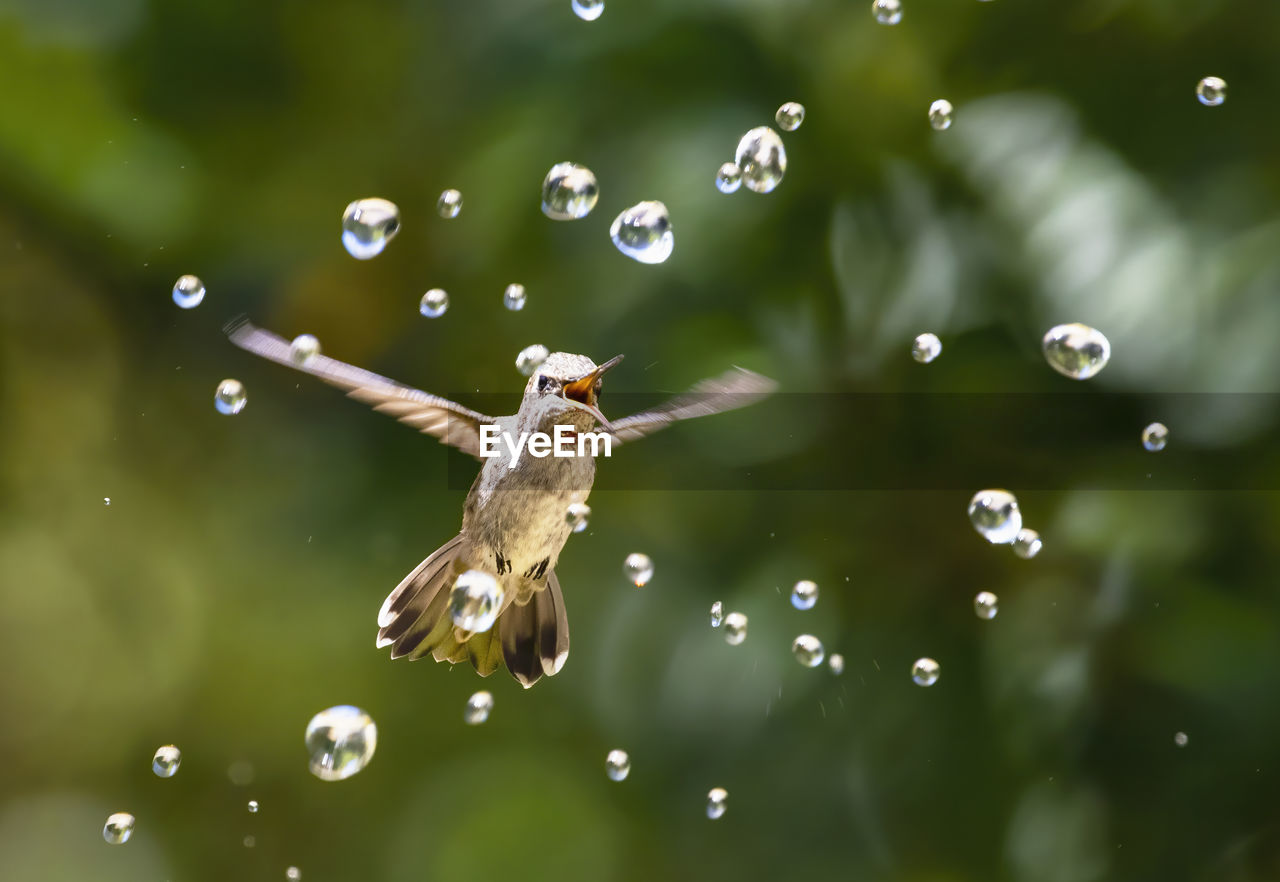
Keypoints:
(729, 391)
(430, 414)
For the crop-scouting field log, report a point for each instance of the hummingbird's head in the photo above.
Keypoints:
(566, 382)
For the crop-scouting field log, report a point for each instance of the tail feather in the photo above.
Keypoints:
(535, 638)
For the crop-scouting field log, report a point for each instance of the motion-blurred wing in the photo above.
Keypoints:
(731, 390)
(451, 423)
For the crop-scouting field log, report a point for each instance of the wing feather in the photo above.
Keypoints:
(729, 391)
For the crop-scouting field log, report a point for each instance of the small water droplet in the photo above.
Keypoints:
(1027, 544)
(293, 874)
(717, 614)
(368, 225)
(1211, 91)
(449, 204)
(762, 158)
(588, 10)
(617, 765)
(1155, 437)
(735, 628)
(253, 806)
(530, 358)
(478, 708)
(729, 178)
(836, 663)
(986, 605)
(434, 303)
(887, 12)
(166, 761)
(638, 568)
(106, 500)
(790, 116)
(926, 348)
(304, 348)
(569, 191)
(188, 291)
(925, 672)
(576, 515)
(808, 650)
(804, 594)
(717, 798)
(940, 115)
(119, 828)
(230, 397)
(643, 232)
(250, 841)
(1180, 739)
(514, 297)
(995, 514)
(1076, 351)
(475, 601)
(340, 742)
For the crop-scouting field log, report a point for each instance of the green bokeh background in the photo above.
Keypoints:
(228, 591)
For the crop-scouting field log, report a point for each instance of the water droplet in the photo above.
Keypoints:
(1027, 544)
(617, 765)
(449, 204)
(340, 742)
(514, 297)
(250, 841)
(368, 225)
(1076, 351)
(836, 663)
(925, 672)
(940, 115)
(735, 628)
(119, 828)
(995, 514)
(716, 799)
(588, 10)
(762, 158)
(804, 594)
(304, 348)
(986, 605)
(479, 706)
(790, 116)
(1155, 437)
(530, 358)
(569, 191)
(638, 568)
(717, 614)
(887, 12)
(577, 515)
(166, 761)
(1211, 91)
(729, 178)
(475, 601)
(1180, 739)
(808, 650)
(253, 806)
(643, 232)
(434, 303)
(188, 291)
(926, 348)
(293, 874)
(230, 397)
(106, 500)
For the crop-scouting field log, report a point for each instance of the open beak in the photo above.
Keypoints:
(581, 393)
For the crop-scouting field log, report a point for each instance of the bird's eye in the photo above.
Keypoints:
(543, 382)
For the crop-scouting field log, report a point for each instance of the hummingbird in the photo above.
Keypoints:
(514, 521)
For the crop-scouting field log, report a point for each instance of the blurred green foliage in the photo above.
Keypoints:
(228, 591)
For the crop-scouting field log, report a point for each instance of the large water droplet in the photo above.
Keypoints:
(925, 672)
(643, 232)
(1155, 437)
(995, 514)
(434, 303)
(304, 348)
(1211, 91)
(617, 765)
(166, 761)
(926, 348)
(479, 706)
(638, 568)
(717, 800)
(449, 204)
(717, 614)
(475, 601)
(577, 515)
(188, 291)
(368, 225)
(735, 628)
(340, 742)
(790, 116)
(530, 358)
(804, 594)
(569, 191)
(1027, 544)
(836, 663)
(1076, 351)
(588, 10)
(119, 828)
(887, 12)
(729, 178)
(808, 650)
(986, 605)
(762, 158)
(230, 397)
(514, 297)
(940, 115)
